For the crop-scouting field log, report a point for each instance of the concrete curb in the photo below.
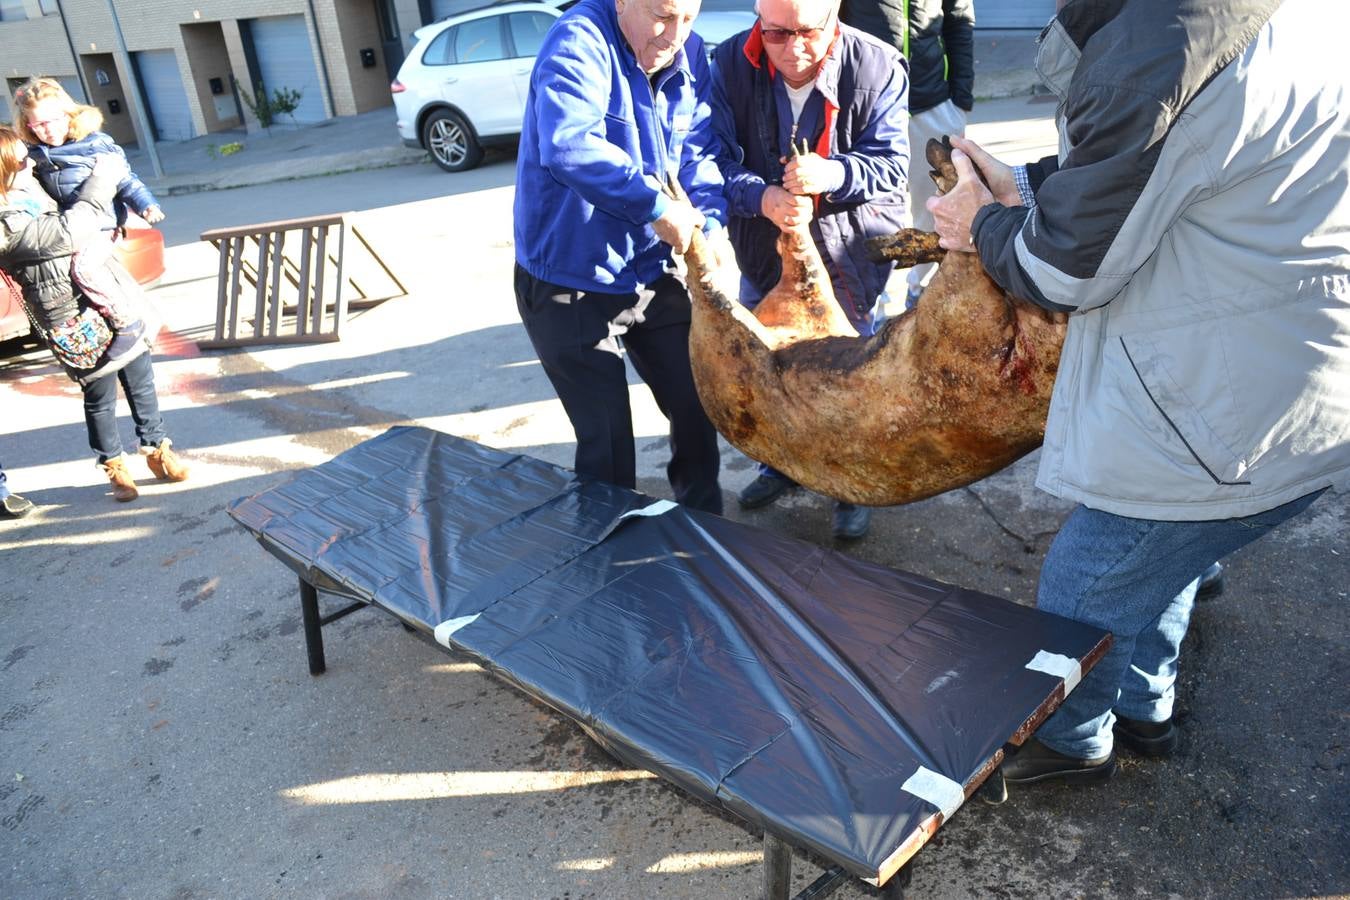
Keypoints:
(287, 170)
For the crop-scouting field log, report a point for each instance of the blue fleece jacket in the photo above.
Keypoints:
(598, 139)
(62, 169)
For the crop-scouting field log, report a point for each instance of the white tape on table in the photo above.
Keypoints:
(1065, 667)
(656, 509)
(449, 627)
(937, 789)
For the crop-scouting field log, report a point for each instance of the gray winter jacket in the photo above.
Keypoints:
(1197, 226)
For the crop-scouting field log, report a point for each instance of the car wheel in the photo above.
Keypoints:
(451, 142)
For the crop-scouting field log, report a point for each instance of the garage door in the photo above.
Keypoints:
(286, 60)
(1013, 13)
(162, 86)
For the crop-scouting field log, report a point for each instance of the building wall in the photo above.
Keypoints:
(35, 47)
(359, 30)
(119, 125)
(209, 58)
(341, 27)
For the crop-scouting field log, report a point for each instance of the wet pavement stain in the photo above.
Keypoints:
(13, 821)
(201, 590)
(156, 666)
(15, 655)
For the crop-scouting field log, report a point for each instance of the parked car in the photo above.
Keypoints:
(141, 251)
(463, 86)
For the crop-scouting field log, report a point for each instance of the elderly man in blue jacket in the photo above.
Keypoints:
(618, 105)
(800, 76)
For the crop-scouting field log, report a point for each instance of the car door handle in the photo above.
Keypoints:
(450, 81)
(522, 71)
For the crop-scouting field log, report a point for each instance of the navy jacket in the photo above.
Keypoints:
(857, 115)
(597, 143)
(61, 170)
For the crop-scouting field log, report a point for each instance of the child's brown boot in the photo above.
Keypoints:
(165, 463)
(123, 485)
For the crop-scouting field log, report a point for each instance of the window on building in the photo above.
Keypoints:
(48, 7)
(479, 40)
(528, 30)
(12, 11)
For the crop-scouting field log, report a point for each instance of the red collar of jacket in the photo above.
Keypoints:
(827, 77)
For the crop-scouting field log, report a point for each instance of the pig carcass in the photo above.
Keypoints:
(938, 398)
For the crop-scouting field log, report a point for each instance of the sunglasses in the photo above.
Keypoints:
(783, 35)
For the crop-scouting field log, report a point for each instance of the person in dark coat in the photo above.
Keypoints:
(937, 38)
(37, 241)
(799, 76)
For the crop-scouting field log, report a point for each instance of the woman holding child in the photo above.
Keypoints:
(84, 304)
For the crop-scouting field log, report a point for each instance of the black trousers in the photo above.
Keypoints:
(577, 337)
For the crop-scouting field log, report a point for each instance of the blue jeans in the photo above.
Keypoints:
(1137, 579)
(100, 408)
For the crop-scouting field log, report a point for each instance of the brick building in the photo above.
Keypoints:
(194, 59)
(197, 61)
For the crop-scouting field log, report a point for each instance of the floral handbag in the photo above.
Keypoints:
(80, 342)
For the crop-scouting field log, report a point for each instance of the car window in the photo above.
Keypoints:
(528, 30)
(438, 51)
(479, 40)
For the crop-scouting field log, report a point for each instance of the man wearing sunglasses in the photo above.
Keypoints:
(800, 80)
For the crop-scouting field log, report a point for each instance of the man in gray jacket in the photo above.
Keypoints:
(1196, 226)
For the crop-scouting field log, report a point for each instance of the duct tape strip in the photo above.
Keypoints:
(449, 627)
(937, 789)
(656, 509)
(1056, 664)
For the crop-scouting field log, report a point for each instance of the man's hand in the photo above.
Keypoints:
(955, 210)
(810, 174)
(678, 223)
(998, 175)
(719, 245)
(785, 210)
(153, 215)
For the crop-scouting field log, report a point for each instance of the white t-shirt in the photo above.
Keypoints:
(797, 97)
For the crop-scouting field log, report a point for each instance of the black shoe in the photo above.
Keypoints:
(1037, 762)
(762, 491)
(851, 522)
(16, 507)
(1146, 738)
(1211, 583)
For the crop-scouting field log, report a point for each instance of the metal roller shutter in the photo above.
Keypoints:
(1013, 13)
(286, 60)
(162, 85)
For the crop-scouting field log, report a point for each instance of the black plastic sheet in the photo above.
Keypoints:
(841, 705)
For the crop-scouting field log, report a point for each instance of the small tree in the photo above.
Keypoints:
(282, 102)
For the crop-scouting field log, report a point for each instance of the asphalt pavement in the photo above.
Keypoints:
(161, 737)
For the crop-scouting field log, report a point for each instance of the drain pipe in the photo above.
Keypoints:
(74, 57)
(323, 62)
(147, 134)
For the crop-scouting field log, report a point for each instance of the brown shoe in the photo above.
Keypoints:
(165, 463)
(123, 485)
